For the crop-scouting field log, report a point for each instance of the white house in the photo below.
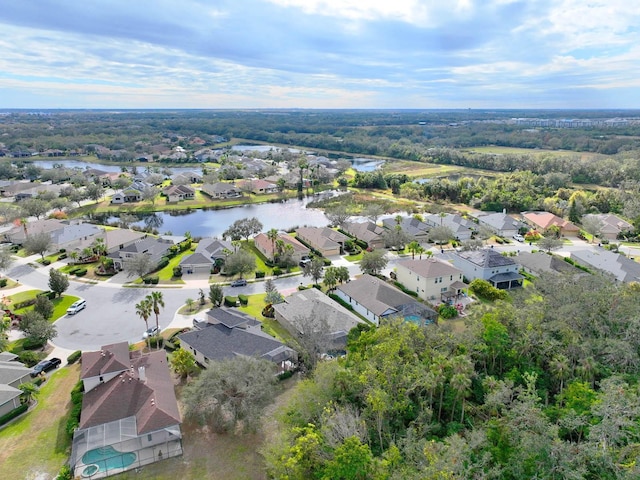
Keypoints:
(431, 278)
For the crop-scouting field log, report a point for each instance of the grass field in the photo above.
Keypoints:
(36, 445)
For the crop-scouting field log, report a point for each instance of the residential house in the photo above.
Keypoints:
(154, 247)
(19, 233)
(227, 333)
(186, 178)
(258, 186)
(130, 415)
(71, 236)
(622, 268)
(176, 193)
(209, 254)
(487, 264)
(461, 227)
(269, 248)
(311, 311)
(417, 229)
(432, 279)
(542, 221)
(375, 299)
(500, 223)
(539, 263)
(12, 375)
(366, 231)
(221, 190)
(325, 240)
(114, 239)
(11, 188)
(612, 225)
(38, 188)
(133, 193)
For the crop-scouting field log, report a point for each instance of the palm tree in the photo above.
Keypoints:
(143, 310)
(461, 383)
(413, 247)
(559, 367)
(273, 236)
(157, 301)
(29, 392)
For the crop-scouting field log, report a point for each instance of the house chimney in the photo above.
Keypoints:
(141, 374)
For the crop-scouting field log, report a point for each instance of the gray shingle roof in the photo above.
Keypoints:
(486, 258)
(217, 342)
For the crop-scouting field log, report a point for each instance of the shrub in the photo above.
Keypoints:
(39, 381)
(30, 358)
(146, 280)
(326, 261)
(80, 272)
(163, 263)
(29, 344)
(155, 280)
(484, 289)
(447, 311)
(244, 300)
(260, 274)
(169, 346)
(268, 311)
(277, 271)
(3, 282)
(230, 301)
(13, 414)
(65, 473)
(74, 357)
(177, 272)
(46, 261)
(62, 250)
(62, 256)
(285, 375)
(24, 304)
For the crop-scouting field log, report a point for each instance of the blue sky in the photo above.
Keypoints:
(319, 54)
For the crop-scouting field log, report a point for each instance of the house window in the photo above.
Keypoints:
(149, 437)
(443, 289)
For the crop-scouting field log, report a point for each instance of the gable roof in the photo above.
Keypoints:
(213, 247)
(499, 221)
(196, 258)
(430, 267)
(542, 262)
(74, 232)
(375, 295)
(486, 258)
(267, 246)
(12, 371)
(410, 225)
(110, 359)
(150, 245)
(151, 399)
(322, 237)
(544, 220)
(367, 231)
(229, 318)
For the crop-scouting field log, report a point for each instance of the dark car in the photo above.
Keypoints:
(45, 366)
(239, 283)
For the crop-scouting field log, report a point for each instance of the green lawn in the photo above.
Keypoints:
(269, 325)
(36, 445)
(60, 304)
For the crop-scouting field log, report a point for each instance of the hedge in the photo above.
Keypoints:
(74, 357)
(80, 272)
(13, 414)
(326, 261)
(3, 282)
(76, 409)
(163, 263)
(26, 303)
(277, 271)
(484, 289)
(29, 358)
(62, 256)
(244, 300)
(285, 375)
(46, 261)
(335, 297)
(230, 301)
(260, 274)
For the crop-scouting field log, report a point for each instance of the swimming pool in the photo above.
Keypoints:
(106, 458)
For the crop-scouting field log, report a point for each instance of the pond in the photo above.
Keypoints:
(109, 167)
(366, 164)
(212, 223)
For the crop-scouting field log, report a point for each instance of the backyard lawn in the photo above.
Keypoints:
(36, 445)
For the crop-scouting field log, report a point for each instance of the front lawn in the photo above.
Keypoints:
(37, 445)
(60, 304)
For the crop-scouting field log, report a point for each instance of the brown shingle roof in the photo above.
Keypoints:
(112, 358)
(152, 401)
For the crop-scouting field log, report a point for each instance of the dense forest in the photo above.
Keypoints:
(544, 385)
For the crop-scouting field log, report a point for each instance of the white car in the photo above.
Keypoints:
(76, 307)
(518, 237)
(152, 332)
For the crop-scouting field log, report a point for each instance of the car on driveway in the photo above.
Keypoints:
(45, 366)
(76, 307)
(152, 332)
(518, 237)
(239, 283)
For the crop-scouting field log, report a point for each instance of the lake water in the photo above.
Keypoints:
(212, 223)
(109, 167)
(366, 164)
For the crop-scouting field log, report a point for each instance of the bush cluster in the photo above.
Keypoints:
(76, 408)
(74, 357)
(153, 280)
(484, 289)
(244, 300)
(230, 301)
(13, 413)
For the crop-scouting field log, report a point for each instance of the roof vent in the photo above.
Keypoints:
(141, 374)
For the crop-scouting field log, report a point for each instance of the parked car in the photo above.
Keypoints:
(45, 366)
(239, 283)
(152, 332)
(304, 262)
(518, 237)
(76, 307)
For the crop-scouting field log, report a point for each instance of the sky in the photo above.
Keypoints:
(388, 54)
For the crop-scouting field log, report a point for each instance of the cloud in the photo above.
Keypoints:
(315, 53)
